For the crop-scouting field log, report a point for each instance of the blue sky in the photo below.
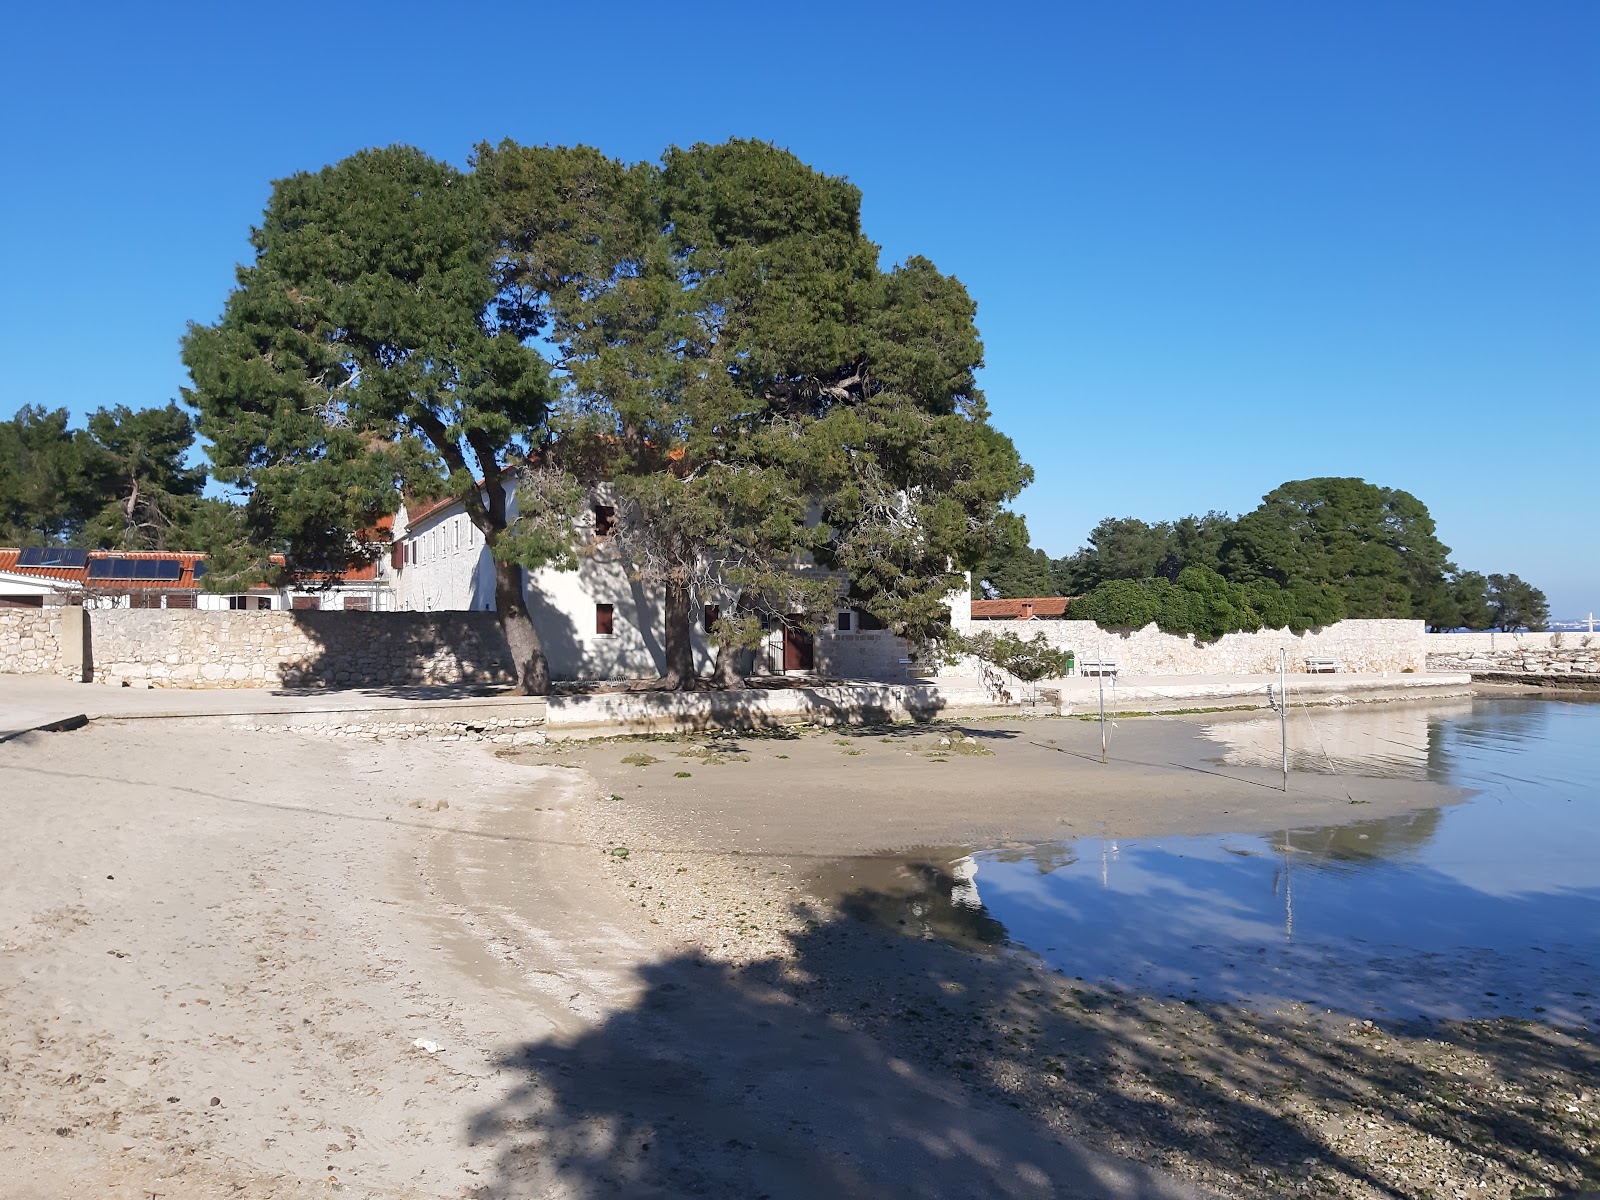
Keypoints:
(1214, 245)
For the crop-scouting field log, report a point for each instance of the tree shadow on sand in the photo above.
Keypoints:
(871, 1064)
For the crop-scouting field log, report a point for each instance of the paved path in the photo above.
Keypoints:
(31, 701)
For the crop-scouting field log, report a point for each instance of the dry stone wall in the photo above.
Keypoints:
(1373, 646)
(30, 641)
(1545, 654)
(242, 649)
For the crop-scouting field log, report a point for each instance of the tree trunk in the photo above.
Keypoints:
(725, 674)
(679, 674)
(527, 655)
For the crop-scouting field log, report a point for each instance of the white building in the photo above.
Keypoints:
(167, 579)
(601, 621)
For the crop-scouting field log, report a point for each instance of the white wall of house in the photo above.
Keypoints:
(447, 566)
(32, 587)
(368, 596)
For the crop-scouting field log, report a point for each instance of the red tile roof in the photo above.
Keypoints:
(1019, 610)
(186, 581)
(8, 564)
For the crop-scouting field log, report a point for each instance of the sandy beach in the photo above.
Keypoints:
(271, 965)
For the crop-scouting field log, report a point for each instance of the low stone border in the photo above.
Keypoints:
(506, 732)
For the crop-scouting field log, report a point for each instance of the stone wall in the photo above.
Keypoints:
(1374, 646)
(30, 641)
(859, 654)
(1545, 654)
(242, 649)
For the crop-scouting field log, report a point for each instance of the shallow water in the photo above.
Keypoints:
(1487, 907)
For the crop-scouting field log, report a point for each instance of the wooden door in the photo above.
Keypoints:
(798, 648)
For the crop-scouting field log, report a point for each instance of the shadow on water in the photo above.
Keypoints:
(876, 1065)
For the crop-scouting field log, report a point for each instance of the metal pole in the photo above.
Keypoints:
(1101, 676)
(1283, 710)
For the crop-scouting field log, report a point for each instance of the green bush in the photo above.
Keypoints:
(1203, 603)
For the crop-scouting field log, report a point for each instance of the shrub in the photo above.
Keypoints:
(1206, 605)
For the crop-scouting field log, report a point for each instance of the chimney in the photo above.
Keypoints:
(1027, 611)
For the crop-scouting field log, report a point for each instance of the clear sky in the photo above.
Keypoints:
(1215, 246)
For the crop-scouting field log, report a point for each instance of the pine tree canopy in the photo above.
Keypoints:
(711, 338)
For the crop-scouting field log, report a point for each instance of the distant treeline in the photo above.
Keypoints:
(119, 483)
(1315, 551)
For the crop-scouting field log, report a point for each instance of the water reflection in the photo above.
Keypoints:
(1488, 907)
(930, 893)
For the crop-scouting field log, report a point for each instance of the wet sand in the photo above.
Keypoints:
(836, 792)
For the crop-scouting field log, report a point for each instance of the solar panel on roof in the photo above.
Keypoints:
(199, 570)
(146, 570)
(52, 556)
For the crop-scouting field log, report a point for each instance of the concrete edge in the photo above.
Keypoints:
(410, 710)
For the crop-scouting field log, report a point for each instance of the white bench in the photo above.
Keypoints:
(1318, 666)
(1096, 666)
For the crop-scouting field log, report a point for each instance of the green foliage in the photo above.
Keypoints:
(120, 484)
(1128, 548)
(1027, 659)
(1375, 546)
(153, 505)
(52, 480)
(1314, 552)
(373, 349)
(356, 358)
(1203, 603)
(1012, 569)
(726, 358)
(752, 388)
(1119, 548)
(1126, 604)
(1474, 610)
(1517, 604)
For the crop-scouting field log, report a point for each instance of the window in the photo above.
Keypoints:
(180, 600)
(867, 621)
(305, 602)
(602, 619)
(358, 604)
(457, 525)
(709, 617)
(263, 602)
(844, 622)
(238, 602)
(397, 556)
(605, 520)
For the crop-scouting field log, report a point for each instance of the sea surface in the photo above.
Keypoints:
(1486, 907)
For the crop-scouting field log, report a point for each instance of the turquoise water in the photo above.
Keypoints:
(1488, 907)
